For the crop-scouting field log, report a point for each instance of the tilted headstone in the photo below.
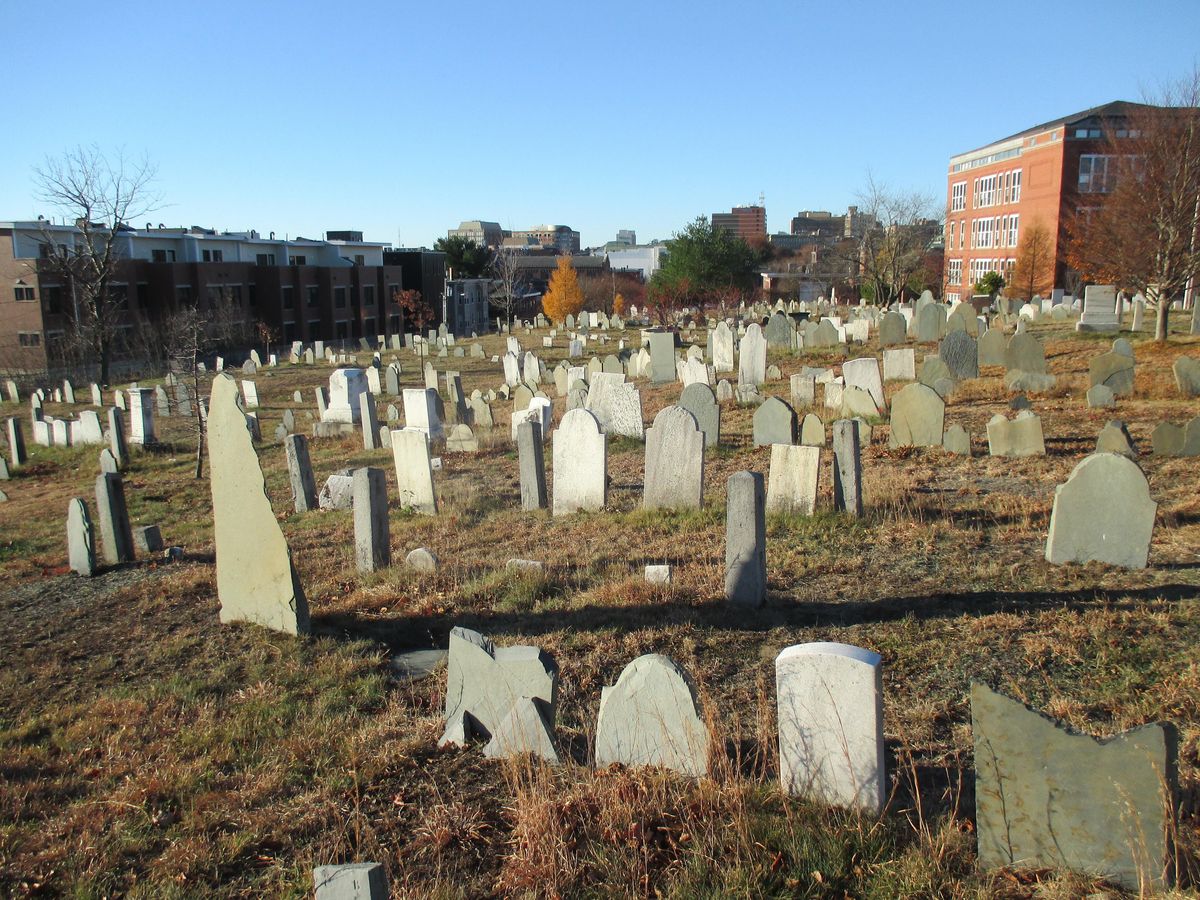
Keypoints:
(523, 730)
(256, 581)
(674, 461)
(300, 474)
(17, 456)
(369, 421)
(81, 539)
(414, 470)
(1050, 797)
(1102, 512)
(650, 717)
(483, 682)
(116, 437)
(616, 404)
(745, 540)
(830, 712)
(372, 547)
(580, 464)
(114, 519)
(148, 539)
(792, 480)
(864, 373)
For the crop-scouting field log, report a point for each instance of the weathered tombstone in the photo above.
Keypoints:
(300, 474)
(793, 479)
(722, 348)
(1187, 376)
(369, 421)
(812, 431)
(346, 389)
(1017, 437)
(956, 440)
(350, 881)
(616, 404)
(372, 547)
(803, 389)
(674, 461)
(847, 467)
(724, 391)
(745, 540)
(523, 730)
(141, 416)
(483, 682)
(256, 581)
(752, 357)
(414, 470)
(116, 436)
(830, 708)
(1114, 370)
(532, 467)
(992, 347)
(421, 412)
(662, 356)
(461, 439)
(338, 491)
(148, 539)
(1102, 512)
(918, 417)
(1024, 353)
(893, 329)
(900, 364)
(81, 539)
(960, 354)
(1114, 437)
(701, 402)
(1100, 396)
(931, 323)
(779, 331)
(774, 423)
(658, 574)
(16, 442)
(114, 519)
(1099, 309)
(580, 464)
(1049, 797)
(650, 718)
(863, 373)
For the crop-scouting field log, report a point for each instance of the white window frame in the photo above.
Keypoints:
(958, 196)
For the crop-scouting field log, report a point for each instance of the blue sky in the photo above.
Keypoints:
(400, 120)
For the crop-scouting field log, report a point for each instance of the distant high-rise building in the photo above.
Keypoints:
(485, 234)
(627, 236)
(746, 222)
(560, 238)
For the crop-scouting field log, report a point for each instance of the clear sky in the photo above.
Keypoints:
(400, 119)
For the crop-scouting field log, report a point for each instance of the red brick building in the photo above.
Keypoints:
(1036, 175)
(747, 222)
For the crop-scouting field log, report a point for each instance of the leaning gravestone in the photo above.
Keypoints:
(483, 682)
(701, 402)
(847, 467)
(1103, 512)
(1048, 797)
(580, 464)
(830, 703)
(745, 540)
(918, 417)
(774, 423)
(792, 479)
(524, 730)
(650, 718)
(674, 461)
(81, 539)
(1017, 437)
(960, 354)
(256, 581)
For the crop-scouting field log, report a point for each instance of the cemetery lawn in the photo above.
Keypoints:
(149, 751)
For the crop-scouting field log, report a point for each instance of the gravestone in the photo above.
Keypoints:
(114, 519)
(847, 467)
(774, 423)
(650, 718)
(812, 431)
(370, 421)
(1187, 376)
(752, 357)
(1099, 309)
(960, 355)
(992, 347)
(803, 389)
(1114, 437)
(461, 439)
(116, 436)
(421, 560)
(532, 467)
(662, 356)
(300, 474)
(792, 480)
(674, 461)
(338, 491)
(148, 539)
(108, 462)
(900, 364)
(918, 417)
(414, 470)
(893, 329)
(1017, 437)
(372, 547)
(1102, 512)
(350, 881)
(421, 412)
(16, 442)
(658, 574)
(1024, 353)
(256, 581)
(141, 416)
(701, 402)
(249, 393)
(957, 441)
(81, 539)
(931, 323)
(1100, 396)
(745, 540)
(863, 373)
(346, 388)
(724, 391)
(722, 348)
(616, 404)
(1050, 797)
(580, 464)
(483, 682)
(830, 713)
(523, 730)
(779, 331)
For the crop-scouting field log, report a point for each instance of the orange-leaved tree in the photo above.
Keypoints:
(619, 304)
(1033, 272)
(563, 297)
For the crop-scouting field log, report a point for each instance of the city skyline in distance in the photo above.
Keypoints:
(401, 123)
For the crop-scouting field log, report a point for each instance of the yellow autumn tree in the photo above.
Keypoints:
(563, 297)
(619, 304)
(1033, 272)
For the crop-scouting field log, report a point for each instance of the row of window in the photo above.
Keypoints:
(992, 190)
(980, 267)
(29, 338)
(1097, 173)
(994, 231)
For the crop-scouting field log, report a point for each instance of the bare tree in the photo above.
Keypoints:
(891, 249)
(509, 283)
(101, 196)
(1141, 233)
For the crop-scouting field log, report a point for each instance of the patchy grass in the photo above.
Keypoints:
(150, 751)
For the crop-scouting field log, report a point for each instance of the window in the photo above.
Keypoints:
(342, 330)
(1087, 132)
(954, 271)
(1097, 173)
(1014, 193)
(950, 235)
(289, 297)
(29, 338)
(368, 295)
(299, 260)
(183, 295)
(311, 294)
(359, 259)
(339, 297)
(52, 299)
(1012, 230)
(369, 327)
(958, 197)
(44, 251)
(213, 255)
(252, 295)
(162, 256)
(314, 328)
(265, 259)
(24, 294)
(952, 297)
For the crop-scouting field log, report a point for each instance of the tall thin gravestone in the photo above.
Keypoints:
(81, 539)
(114, 519)
(532, 465)
(372, 543)
(116, 436)
(304, 488)
(847, 468)
(745, 540)
(16, 443)
(370, 421)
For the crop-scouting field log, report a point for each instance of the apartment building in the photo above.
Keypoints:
(1040, 174)
(304, 289)
(747, 222)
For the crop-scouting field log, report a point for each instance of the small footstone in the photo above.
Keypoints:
(421, 560)
(658, 574)
(350, 881)
(148, 539)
